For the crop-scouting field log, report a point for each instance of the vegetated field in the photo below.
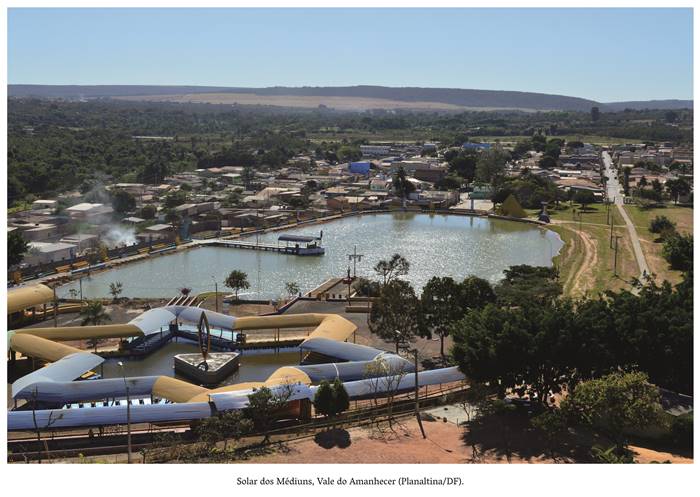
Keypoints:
(310, 102)
(586, 262)
(682, 216)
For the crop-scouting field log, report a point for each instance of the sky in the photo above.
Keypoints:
(601, 54)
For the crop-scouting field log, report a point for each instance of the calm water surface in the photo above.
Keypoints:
(255, 365)
(435, 245)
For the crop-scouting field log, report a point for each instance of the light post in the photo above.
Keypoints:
(128, 415)
(354, 257)
(414, 352)
(415, 372)
(617, 237)
(612, 224)
(216, 293)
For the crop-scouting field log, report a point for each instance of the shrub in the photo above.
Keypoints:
(682, 431)
(678, 251)
(661, 224)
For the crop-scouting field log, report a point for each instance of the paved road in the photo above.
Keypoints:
(614, 192)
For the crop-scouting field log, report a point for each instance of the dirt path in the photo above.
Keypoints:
(581, 279)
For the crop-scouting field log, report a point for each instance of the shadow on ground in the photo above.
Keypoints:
(335, 437)
(511, 436)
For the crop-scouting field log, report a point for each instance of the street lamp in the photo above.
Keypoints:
(216, 293)
(128, 415)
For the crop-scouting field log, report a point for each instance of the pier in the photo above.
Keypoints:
(302, 245)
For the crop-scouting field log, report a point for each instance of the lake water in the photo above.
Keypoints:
(435, 245)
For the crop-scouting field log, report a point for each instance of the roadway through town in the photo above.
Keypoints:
(614, 193)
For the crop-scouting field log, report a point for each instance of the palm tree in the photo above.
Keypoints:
(94, 314)
(402, 186)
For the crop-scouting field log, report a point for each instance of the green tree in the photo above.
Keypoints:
(149, 211)
(677, 188)
(678, 251)
(247, 177)
(662, 224)
(115, 289)
(17, 246)
(440, 308)
(402, 186)
(464, 166)
(93, 314)
(547, 162)
(395, 310)
(340, 397)
(237, 281)
(615, 405)
(626, 179)
(123, 202)
(490, 165)
(595, 114)
(291, 288)
(392, 269)
(476, 293)
(175, 199)
(529, 350)
(323, 399)
(525, 284)
(265, 405)
(584, 197)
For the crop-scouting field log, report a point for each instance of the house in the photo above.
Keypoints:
(375, 150)
(44, 204)
(81, 241)
(45, 252)
(89, 212)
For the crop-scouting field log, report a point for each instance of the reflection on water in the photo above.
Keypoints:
(439, 245)
(255, 365)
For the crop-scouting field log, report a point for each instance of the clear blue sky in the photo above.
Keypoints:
(602, 54)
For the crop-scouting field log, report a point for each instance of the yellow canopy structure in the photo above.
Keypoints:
(25, 297)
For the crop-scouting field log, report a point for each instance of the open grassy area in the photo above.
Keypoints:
(586, 263)
(572, 213)
(651, 245)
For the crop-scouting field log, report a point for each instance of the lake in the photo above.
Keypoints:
(434, 244)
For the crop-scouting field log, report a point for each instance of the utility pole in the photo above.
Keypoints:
(55, 309)
(81, 289)
(415, 365)
(128, 415)
(612, 223)
(617, 237)
(354, 257)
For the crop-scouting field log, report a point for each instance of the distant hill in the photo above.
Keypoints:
(343, 97)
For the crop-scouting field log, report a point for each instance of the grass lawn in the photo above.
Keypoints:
(682, 216)
(586, 263)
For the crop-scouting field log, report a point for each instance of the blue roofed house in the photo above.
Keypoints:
(359, 168)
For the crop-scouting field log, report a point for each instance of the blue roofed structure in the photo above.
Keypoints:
(359, 168)
(472, 146)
